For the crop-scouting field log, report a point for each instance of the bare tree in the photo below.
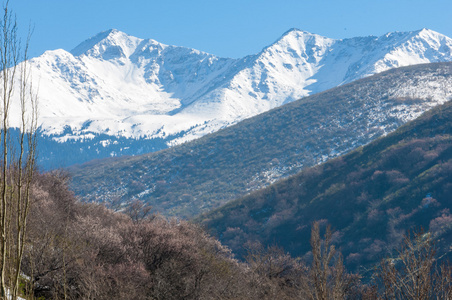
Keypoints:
(442, 281)
(17, 165)
(139, 211)
(325, 280)
(413, 273)
(274, 273)
(321, 259)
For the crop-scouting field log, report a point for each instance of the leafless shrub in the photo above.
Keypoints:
(274, 273)
(413, 273)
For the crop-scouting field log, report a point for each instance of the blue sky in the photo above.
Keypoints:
(228, 28)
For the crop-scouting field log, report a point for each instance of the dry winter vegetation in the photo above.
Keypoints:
(85, 251)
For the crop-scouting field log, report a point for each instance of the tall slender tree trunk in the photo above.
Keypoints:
(16, 172)
(4, 65)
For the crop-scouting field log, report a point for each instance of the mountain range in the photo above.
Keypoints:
(197, 176)
(115, 94)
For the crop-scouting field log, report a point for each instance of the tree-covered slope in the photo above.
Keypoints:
(371, 196)
(206, 173)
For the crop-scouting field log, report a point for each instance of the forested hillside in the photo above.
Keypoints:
(371, 196)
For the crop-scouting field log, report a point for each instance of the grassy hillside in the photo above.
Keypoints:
(204, 174)
(371, 196)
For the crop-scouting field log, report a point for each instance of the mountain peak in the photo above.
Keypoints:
(107, 44)
(292, 30)
(300, 33)
(89, 43)
(428, 33)
(297, 36)
(300, 43)
(438, 44)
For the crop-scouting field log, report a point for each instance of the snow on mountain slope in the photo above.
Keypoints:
(121, 85)
(125, 87)
(300, 64)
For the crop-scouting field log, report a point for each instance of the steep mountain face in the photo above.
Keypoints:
(116, 94)
(371, 197)
(203, 174)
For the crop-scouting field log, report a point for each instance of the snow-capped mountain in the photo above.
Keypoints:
(115, 88)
